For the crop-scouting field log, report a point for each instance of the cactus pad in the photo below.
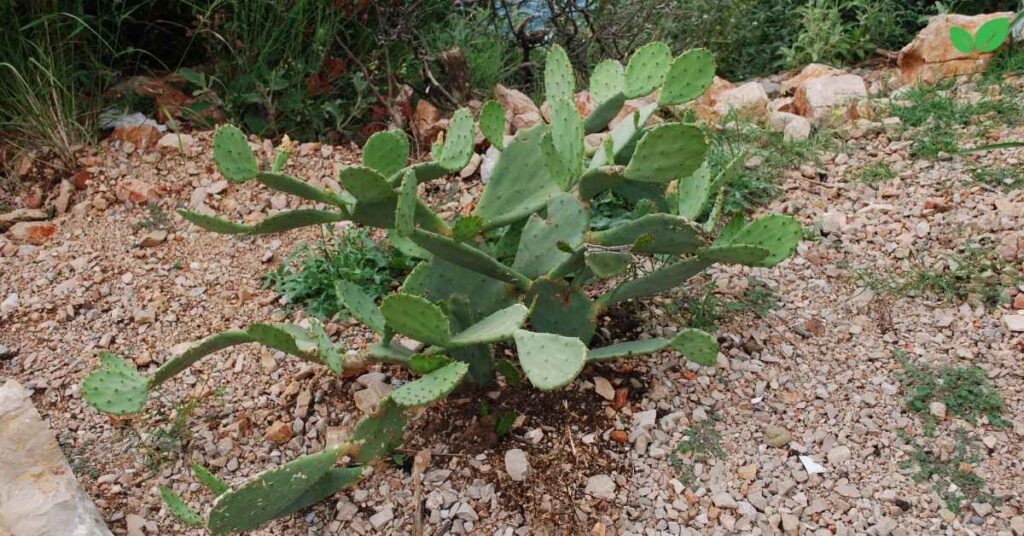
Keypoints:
(607, 81)
(365, 184)
(266, 495)
(567, 135)
(325, 349)
(492, 123)
(734, 254)
(607, 264)
(520, 184)
(603, 114)
(235, 159)
(646, 69)
(559, 80)
(437, 280)
(468, 257)
(209, 480)
(466, 228)
(286, 338)
(177, 507)
(595, 181)
(566, 222)
(291, 185)
(663, 279)
(667, 152)
(458, 146)
(196, 351)
(627, 349)
(622, 137)
(550, 361)
(116, 387)
(688, 77)
(381, 432)
(653, 233)
(405, 211)
(333, 481)
(282, 221)
(416, 317)
(697, 346)
(360, 305)
(431, 387)
(386, 152)
(692, 193)
(776, 233)
(497, 326)
(561, 309)
(425, 364)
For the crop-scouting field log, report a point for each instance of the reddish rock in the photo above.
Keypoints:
(137, 191)
(520, 110)
(619, 436)
(32, 198)
(931, 56)
(748, 100)
(32, 232)
(621, 398)
(426, 119)
(279, 432)
(81, 179)
(1018, 301)
(142, 136)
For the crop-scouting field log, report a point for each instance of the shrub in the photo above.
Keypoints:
(526, 256)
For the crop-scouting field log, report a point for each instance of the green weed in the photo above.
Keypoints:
(700, 442)
(706, 310)
(166, 443)
(953, 480)
(155, 218)
(307, 277)
(875, 173)
(1005, 178)
(965, 391)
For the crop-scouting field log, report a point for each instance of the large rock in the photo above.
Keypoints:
(39, 495)
(749, 101)
(426, 119)
(819, 99)
(520, 111)
(8, 219)
(813, 70)
(32, 232)
(931, 56)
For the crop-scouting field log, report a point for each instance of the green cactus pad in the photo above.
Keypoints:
(116, 387)
(197, 351)
(405, 211)
(559, 80)
(692, 193)
(603, 114)
(623, 136)
(566, 222)
(333, 481)
(177, 507)
(688, 77)
(697, 346)
(458, 145)
(653, 233)
(567, 134)
(728, 173)
(296, 187)
(607, 264)
(365, 184)
(266, 495)
(468, 257)
(667, 152)
(716, 212)
(381, 432)
(235, 159)
(209, 480)
(282, 221)
(497, 326)
(627, 349)
(561, 309)
(607, 80)
(646, 69)
(779, 234)
(438, 280)
(734, 254)
(425, 364)
(492, 123)
(431, 387)
(550, 361)
(416, 317)
(654, 283)
(466, 228)
(595, 181)
(325, 349)
(554, 163)
(386, 152)
(360, 305)
(284, 337)
(520, 184)
(407, 246)
(425, 172)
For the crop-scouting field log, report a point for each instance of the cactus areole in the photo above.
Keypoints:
(520, 269)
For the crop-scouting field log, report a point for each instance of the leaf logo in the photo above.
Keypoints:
(990, 36)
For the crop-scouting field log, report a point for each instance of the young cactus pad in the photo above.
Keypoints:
(233, 156)
(550, 361)
(431, 387)
(116, 387)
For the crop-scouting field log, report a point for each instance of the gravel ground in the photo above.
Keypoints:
(806, 398)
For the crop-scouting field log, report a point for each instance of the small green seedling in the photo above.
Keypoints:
(990, 36)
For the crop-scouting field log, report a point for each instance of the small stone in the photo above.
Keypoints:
(776, 436)
(517, 465)
(799, 129)
(983, 509)
(885, 526)
(790, 523)
(645, 420)
(619, 436)
(466, 512)
(848, 490)
(937, 410)
(10, 303)
(601, 486)
(153, 238)
(747, 472)
(134, 524)
(382, 518)
(839, 455)
(279, 432)
(723, 499)
(947, 516)
(604, 388)
(144, 316)
(1017, 525)
(1014, 323)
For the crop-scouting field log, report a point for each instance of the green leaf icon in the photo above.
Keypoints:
(992, 34)
(962, 39)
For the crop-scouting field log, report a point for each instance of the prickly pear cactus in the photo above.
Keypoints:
(528, 268)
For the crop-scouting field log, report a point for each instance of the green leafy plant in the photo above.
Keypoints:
(307, 277)
(988, 38)
(953, 479)
(965, 392)
(875, 173)
(524, 269)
